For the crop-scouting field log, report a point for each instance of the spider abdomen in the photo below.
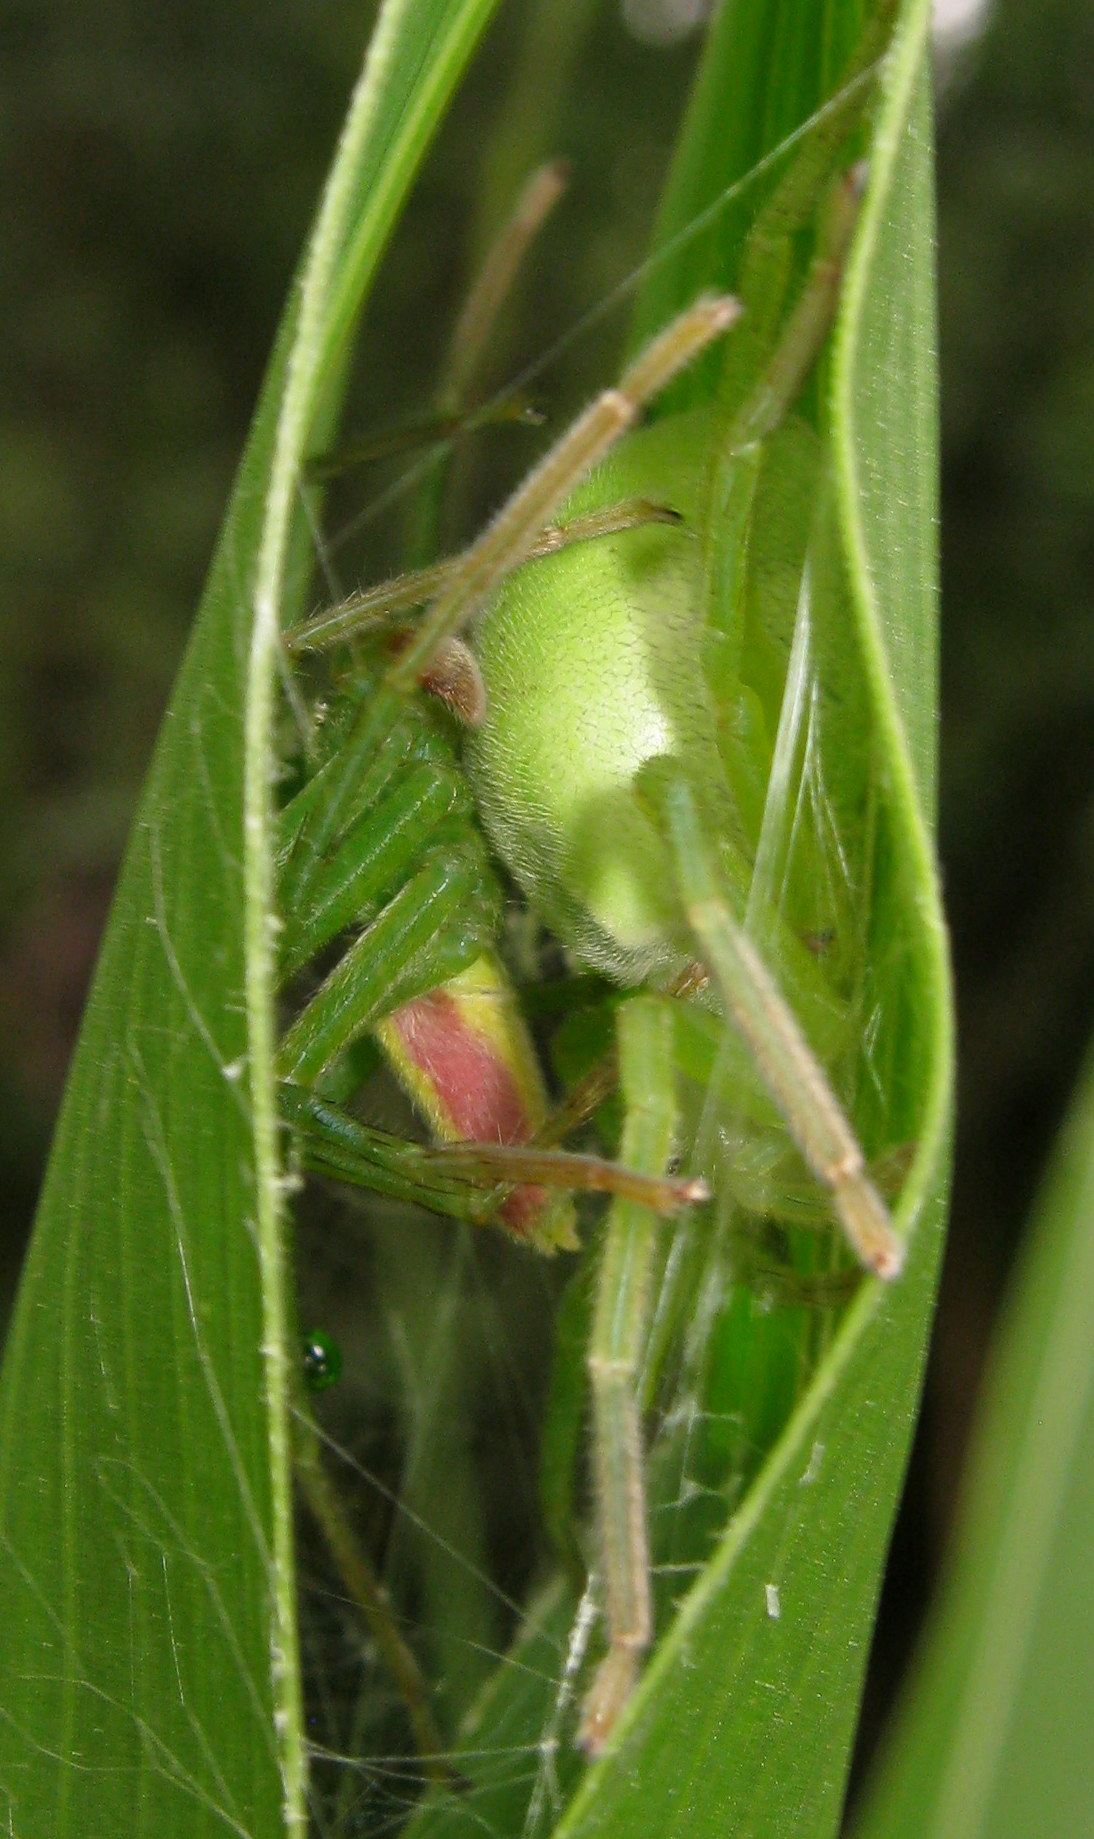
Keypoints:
(591, 660)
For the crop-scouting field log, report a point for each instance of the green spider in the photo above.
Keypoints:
(617, 760)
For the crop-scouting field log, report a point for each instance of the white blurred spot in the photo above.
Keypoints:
(958, 21)
(663, 22)
(771, 1598)
(812, 1468)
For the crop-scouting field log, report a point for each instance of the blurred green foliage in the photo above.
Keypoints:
(1017, 328)
(1017, 174)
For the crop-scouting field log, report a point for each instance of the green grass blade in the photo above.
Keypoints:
(769, 75)
(994, 1733)
(149, 1676)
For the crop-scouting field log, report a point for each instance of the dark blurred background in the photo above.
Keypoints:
(161, 168)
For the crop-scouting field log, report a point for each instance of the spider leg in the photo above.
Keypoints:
(758, 1010)
(506, 541)
(377, 606)
(620, 1323)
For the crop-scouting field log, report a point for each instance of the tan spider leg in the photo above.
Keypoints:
(505, 542)
(615, 1351)
(496, 278)
(376, 606)
(782, 1054)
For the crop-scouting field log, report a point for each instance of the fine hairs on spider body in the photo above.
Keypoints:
(617, 760)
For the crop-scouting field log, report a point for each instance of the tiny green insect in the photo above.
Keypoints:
(322, 1360)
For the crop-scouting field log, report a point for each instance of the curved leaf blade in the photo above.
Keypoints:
(763, 1667)
(146, 1568)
